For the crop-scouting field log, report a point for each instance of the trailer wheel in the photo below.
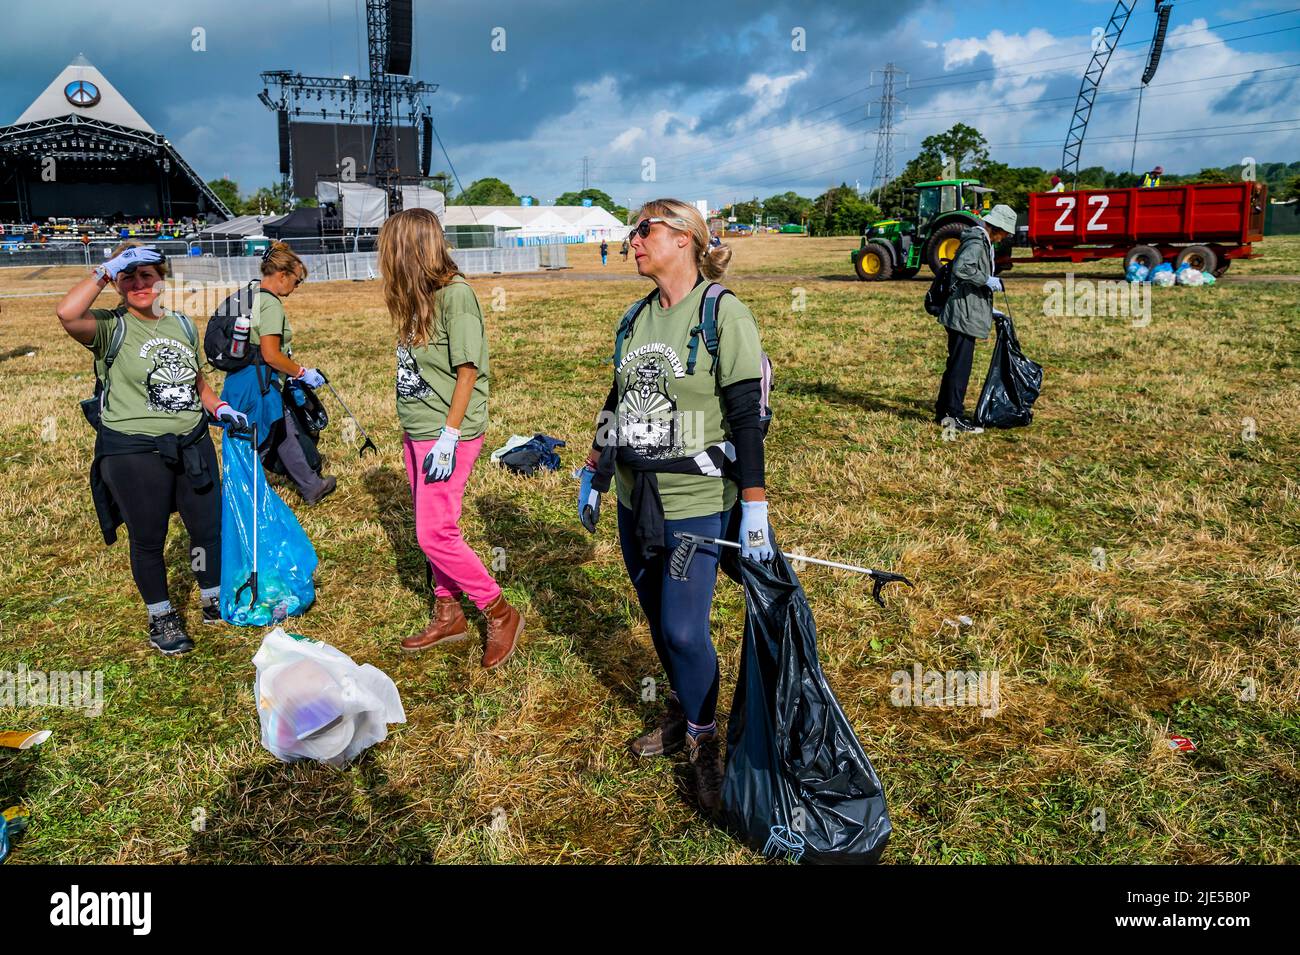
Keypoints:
(1221, 259)
(875, 263)
(942, 247)
(1199, 257)
(1148, 255)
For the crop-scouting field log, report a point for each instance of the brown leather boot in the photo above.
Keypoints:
(447, 626)
(668, 735)
(504, 624)
(705, 753)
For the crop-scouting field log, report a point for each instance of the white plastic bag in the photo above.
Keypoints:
(315, 702)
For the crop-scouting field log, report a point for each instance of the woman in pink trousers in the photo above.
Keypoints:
(442, 404)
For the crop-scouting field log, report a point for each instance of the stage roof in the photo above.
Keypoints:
(81, 90)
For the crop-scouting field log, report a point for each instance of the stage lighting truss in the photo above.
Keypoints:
(352, 97)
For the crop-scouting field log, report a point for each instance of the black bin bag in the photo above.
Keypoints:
(1012, 385)
(798, 784)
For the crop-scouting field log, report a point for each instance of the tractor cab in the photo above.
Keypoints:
(896, 248)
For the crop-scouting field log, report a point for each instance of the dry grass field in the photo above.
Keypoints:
(1188, 623)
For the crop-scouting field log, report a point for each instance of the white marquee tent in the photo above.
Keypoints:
(576, 223)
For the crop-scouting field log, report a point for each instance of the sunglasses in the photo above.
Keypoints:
(642, 228)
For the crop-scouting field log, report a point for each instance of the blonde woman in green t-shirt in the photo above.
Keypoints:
(669, 407)
(442, 404)
(153, 453)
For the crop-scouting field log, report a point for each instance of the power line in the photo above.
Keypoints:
(764, 160)
(1110, 95)
(775, 126)
(786, 174)
(1118, 59)
(1061, 56)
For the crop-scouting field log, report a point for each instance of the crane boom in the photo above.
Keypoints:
(1103, 47)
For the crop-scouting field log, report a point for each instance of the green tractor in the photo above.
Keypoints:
(894, 249)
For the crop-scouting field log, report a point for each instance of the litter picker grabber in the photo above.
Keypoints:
(679, 563)
(251, 582)
(368, 445)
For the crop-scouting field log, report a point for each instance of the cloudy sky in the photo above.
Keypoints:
(715, 93)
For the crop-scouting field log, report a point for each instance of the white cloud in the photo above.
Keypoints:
(768, 94)
(624, 140)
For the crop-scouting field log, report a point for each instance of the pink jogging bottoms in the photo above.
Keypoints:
(456, 568)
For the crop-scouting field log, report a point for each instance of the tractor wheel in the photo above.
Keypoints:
(1148, 255)
(1199, 257)
(943, 244)
(875, 263)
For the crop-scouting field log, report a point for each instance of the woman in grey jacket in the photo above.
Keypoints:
(968, 314)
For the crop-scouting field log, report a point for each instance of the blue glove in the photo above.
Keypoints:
(227, 414)
(588, 500)
(994, 283)
(441, 459)
(755, 534)
(132, 258)
(311, 378)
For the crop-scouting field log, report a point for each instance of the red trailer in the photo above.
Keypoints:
(1205, 225)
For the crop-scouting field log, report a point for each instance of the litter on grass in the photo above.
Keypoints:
(314, 702)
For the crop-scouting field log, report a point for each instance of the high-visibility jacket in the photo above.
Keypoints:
(1059, 187)
(1149, 180)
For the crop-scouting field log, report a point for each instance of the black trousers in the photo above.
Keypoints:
(956, 376)
(147, 490)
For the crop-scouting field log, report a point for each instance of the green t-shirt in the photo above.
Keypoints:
(269, 319)
(153, 384)
(665, 413)
(426, 374)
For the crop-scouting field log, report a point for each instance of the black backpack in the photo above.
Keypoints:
(936, 297)
(706, 329)
(221, 329)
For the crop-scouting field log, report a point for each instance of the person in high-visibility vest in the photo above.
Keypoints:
(1153, 177)
(1057, 185)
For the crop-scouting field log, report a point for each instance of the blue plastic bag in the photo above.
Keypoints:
(1137, 272)
(286, 560)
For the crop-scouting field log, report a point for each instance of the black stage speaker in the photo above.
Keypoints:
(399, 38)
(426, 144)
(283, 117)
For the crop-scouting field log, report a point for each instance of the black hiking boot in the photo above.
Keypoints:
(167, 633)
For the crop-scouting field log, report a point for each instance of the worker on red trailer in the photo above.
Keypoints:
(1057, 185)
(1152, 178)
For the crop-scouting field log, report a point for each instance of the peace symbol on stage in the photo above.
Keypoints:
(82, 93)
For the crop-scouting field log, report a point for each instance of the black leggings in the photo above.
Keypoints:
(147, 491)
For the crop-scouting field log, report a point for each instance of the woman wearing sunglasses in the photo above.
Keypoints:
(681, 431)
(254, 389)
(153, 453)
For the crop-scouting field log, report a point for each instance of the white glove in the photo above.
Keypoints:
(237, 419)
(755, 535)
(132, 258)
(994, 283)
(441, 459)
